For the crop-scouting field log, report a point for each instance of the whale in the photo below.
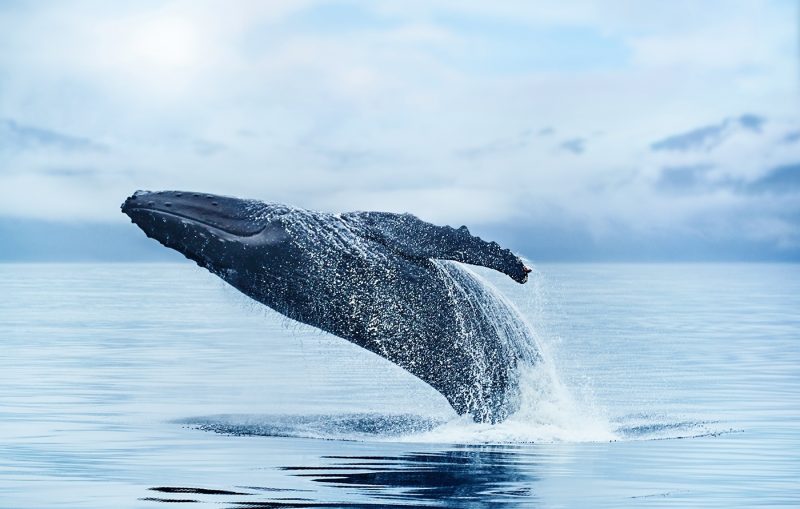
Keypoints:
(390, 283)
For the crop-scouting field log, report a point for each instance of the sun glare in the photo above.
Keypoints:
(165, 43)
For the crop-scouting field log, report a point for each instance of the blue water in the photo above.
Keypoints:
(133, 385)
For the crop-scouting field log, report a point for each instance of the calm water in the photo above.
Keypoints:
(134, 385)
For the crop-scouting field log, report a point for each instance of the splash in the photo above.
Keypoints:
(548, 413)
(545, 410)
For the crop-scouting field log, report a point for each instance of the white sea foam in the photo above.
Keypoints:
(548, 413)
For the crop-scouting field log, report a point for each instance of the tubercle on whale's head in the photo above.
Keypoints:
(220, 233)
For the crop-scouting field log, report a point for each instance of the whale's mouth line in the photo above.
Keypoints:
(184, 217)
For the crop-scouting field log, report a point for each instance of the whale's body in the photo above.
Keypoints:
(376, 279)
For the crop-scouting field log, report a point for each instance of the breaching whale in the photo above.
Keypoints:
(386, 282)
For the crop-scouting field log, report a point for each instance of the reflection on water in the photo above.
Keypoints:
(462, 477)
(467, 475)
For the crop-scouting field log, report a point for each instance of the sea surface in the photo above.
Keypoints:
(155, 385)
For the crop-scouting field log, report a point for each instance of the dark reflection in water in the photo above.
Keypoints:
(474, 475)
(463, 477)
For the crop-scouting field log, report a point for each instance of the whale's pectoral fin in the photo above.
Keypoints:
(411, 236)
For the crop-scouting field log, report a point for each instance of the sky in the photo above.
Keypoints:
(570, 130)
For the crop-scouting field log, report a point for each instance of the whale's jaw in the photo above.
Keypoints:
(208, 229)
(221, 213)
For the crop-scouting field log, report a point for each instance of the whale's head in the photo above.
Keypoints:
(230, 237)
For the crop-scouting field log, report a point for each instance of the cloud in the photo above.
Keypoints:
(752, 122)
(344, 158)
(431, 108)
(780, 180)
(16, 136)
(575, 145)
(208, 148)
(683, 179)
(708, 137)
(792, 137)
(70, 172)
(497, 146)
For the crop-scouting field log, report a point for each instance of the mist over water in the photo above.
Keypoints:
(134, 385)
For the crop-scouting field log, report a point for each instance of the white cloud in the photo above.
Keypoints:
(383, 115)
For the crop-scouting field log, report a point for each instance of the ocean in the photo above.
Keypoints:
(156, 385)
